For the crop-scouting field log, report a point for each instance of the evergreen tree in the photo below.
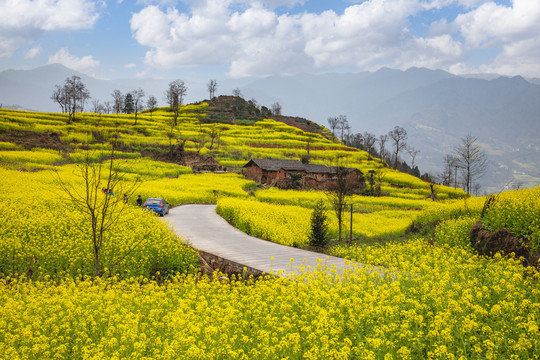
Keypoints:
(319, 226)
(129, 104)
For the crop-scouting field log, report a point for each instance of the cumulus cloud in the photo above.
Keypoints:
(24, 20)
(253, 40)
(86, 65)
(515, 29)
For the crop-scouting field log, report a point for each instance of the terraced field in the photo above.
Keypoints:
(444, 301)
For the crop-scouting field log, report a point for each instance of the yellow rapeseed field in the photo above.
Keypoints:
(438, 303)
(435, 299)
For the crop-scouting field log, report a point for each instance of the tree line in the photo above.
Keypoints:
(72, 96)
(462, 167)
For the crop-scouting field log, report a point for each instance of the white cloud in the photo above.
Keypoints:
(272, 4)
(25, 20)
(130, 66)
(33, 52)
(86, 65)
(515, 29)
(500, 25)
(253, 40)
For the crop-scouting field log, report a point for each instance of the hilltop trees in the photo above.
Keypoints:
(118, 101)
(174, 97)
(71, 96)
(151, 103)
(236, 92)
(129, 106)
(333, 121)
(368, 141)
(344, 126)
(137, 95)
(340, 123)
(276, 109)
(212, 87)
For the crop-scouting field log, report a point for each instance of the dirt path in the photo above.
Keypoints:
(204, 229)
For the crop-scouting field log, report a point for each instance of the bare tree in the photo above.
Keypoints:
(471, 160)
(97, 108)
(174, 96)
(171, 130)
(151, 103)
(202, 139)
(138, 95)
(118, 101)
(97, 200)
(213, 134)
(341, 188)
(369, 142)
(59, 96)
(333, 121)
(107, 108)
(276, 109)
(356, 140)
(212, 87)
(399, 137)
(73, 94)
(383, 153)
(447, 175)
(236, 92)
(412, 152)
(343, 125)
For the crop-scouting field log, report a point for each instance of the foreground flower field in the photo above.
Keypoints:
(438, 303)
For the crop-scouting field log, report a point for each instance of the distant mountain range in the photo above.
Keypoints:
(435, 107)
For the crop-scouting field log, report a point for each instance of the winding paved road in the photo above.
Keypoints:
(205, 230)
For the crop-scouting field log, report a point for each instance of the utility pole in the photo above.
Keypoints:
(455, 177)
(350, 234)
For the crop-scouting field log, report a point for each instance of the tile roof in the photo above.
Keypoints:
(291, 165)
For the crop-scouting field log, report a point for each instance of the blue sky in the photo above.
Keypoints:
(202, 39)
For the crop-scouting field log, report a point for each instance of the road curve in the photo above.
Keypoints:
(205, 230)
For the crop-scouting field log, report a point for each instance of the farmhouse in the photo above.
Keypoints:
(286, 173)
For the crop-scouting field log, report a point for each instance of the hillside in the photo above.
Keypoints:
(230, 144)
(435, 107)
(423, 291)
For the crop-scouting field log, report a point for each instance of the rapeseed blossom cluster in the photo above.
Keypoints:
(455, 232)
(432, 302)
